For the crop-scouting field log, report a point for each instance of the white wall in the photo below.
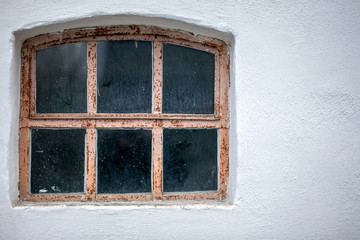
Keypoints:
(295, 120)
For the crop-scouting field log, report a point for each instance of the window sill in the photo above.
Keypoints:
(116, 205)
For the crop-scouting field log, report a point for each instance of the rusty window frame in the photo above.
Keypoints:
(155, 121)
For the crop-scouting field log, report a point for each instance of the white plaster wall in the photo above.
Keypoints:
(295, 120)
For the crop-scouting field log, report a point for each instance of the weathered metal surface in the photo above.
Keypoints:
(194, 196)
(101, 197)
(125, 116)
(157, 93)
(53, 198)
(92, 120)
(25, 82)
(90, 162)
(195, 45)
(217, 86)
(32, 80)
(48, 123)
(157, 163)
(224, 84)
(70, 123)
(91, 77)
(224, 162)
(70, 36)
(24, 163)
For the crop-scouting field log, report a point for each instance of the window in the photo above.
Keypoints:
(124, 113)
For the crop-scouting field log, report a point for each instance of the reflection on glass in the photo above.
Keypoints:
(124, 161)
(190, 160)
(188, 80)
(57, 161)
(124, 76)
(61, 79)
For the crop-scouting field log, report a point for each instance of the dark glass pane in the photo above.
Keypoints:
(57, 160)
(190, 160)
(124, 161)
(61, 79)
(124, 76)
(188, 80)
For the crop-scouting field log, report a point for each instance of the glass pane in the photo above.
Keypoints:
(61, 79)
(124, 76)
(188, 80)
(57, 160)
(124, 161)
(190, 160)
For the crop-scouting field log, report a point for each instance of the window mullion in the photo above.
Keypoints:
(157, 94)
(90, 162)
(24, 162)
(157, 131)
(223, 161)
(224, 83)
(157, 163)
(91, 131)
(91, 77)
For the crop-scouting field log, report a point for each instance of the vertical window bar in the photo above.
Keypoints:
(225, 81)
(91, 161)
(217, 86)
(32, 81)
(25, 78)
(24, 162)
(157, 163)
(157, 131)
(91, 77)
(157, 94)
(224, 162)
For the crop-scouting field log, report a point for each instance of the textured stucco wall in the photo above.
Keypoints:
(295, 120)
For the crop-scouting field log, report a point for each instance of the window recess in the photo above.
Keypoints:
(123, 113)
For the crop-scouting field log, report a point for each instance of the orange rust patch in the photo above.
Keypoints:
(90, 164)
(92, 77)
(157, 163)
(194, 196)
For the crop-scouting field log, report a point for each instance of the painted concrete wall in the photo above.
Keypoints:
(295, 120)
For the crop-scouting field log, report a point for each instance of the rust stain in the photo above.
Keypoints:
(53, 198)
(198, 196)
(24, 162)
(127, 116)
(32, 79)
(92, 77)
(136, 29)
(76, 35)
(157, 77)
(157, 163)
(25, 82)
(91, 163)
(224, 162)
(125, 198)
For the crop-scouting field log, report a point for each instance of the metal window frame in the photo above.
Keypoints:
(92, 120)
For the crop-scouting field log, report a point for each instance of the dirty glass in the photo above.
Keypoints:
(124, 161)
(188, 80)
(190, 160)
(57, 161)
(61, 79)
(124, 76)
